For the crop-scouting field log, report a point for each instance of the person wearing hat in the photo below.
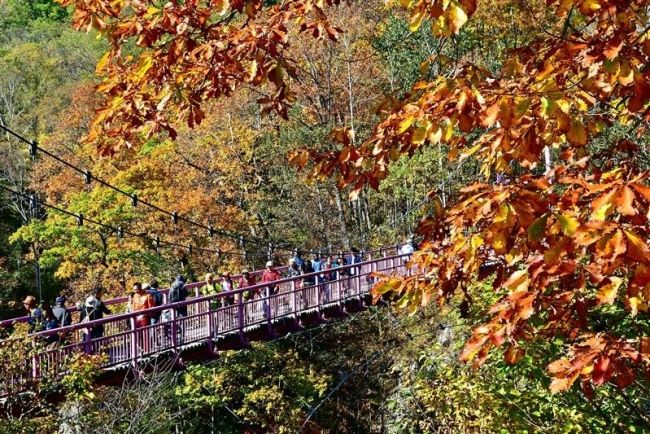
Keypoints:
(246, 280)
(35, 314)
(61, 313)
(270, 275)
(94, 309)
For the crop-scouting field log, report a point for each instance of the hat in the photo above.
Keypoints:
(245, 272)
(292, 261)
(208, 276)
(145, 286)
(91, 301)
(29, 300)
(60, 300)
(269, 264)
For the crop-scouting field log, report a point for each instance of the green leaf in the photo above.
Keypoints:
(537, 229)
(569, 224)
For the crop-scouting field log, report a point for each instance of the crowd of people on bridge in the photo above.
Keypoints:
(148, 295)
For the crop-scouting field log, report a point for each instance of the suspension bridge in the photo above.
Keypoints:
(211, 324)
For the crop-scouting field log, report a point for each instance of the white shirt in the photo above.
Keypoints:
(407, 249)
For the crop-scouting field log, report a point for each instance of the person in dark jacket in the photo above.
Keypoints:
(308, 269)
(61, 313)
(35, 314)
(94, 309)
(154, 291)
(178, 293)
(50, 323)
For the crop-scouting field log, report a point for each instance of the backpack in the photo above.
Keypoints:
(157, 297)
(175, 293)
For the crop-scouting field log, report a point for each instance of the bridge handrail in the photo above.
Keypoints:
(120, 300)
(197, 300)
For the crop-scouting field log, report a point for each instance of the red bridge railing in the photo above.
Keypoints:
(210, 318)
(121, 302)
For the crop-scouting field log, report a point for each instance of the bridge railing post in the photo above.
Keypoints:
(240, 315)
(87, 337)
(174, 330)
(35, 365)
(268, 310)
(210, 327)
(338, 286)
(320, 288)
(134, 342)
(293, 302)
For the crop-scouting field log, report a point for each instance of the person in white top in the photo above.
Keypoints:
(407, 249)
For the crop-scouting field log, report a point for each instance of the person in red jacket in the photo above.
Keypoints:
(271, 275)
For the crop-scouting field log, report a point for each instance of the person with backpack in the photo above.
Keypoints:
(94, 309)
(154, 292)
(60, 312)
(178, 293)
(35, 320)
(61, 315)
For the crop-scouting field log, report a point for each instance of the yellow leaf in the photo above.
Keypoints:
(607, 293)
(637, 304)
(601, 213)
(435, 135)
(590, 6)
(145, 66)
(416, 20)
(420, 135)
(405, 124)
(102, 63)
(564, 105)
(471, 151)
(518, 281)
(569, 224)
(457, 17)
